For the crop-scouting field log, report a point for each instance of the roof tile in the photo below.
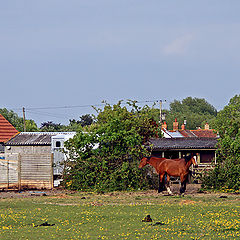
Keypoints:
(7, 131)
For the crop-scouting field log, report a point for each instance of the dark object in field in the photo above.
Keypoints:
(45, 224)
(147, 219)
(83, 197)
(37, 193)
(158, 223)
(223, 197)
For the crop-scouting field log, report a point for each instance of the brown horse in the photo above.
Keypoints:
(174, 168)
(155, 162)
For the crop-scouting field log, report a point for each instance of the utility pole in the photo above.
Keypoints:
(160, 112)
(24, 121)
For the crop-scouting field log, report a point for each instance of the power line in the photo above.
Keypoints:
(38, 110)
(56, 115)
(64, 107)
(79, 106)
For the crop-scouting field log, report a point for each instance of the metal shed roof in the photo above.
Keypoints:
(34, 138)
(183, 143)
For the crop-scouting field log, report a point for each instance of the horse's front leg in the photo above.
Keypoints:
(161, 183)
(168, 185)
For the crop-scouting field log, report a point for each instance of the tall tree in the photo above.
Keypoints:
(196, 111)
(194, 105)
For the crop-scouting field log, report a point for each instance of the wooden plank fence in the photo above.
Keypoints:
(202, 169)
(9, 171)
(26, 171)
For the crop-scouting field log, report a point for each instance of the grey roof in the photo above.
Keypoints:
(183, 143)
(33, 138)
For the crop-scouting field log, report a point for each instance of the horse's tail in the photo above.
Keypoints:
(164, 181)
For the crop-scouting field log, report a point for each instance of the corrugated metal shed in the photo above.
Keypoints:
(183, 143)
(34, 138)
(7, 131)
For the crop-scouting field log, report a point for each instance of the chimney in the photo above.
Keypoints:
(206, 126)
(164, 125)
(175, 125)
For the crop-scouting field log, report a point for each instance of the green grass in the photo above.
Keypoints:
(119, 216)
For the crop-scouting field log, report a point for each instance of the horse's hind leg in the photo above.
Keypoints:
(183, 184)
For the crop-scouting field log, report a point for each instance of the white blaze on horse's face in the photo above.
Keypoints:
(195, 161)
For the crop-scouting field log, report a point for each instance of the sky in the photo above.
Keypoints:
(59, 57)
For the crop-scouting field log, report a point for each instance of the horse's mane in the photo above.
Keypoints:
(187, 158)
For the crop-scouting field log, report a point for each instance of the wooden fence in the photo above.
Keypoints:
(202, 169)
(26, 171)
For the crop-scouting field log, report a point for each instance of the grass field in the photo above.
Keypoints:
(119, 216)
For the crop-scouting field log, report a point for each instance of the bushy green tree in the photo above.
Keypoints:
(227, 172)
(107, 158)
(50, 126)
(196, 111)
(74, 125)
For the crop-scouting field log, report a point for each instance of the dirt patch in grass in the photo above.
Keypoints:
(59, 193)
(187, 202)
(192, 190)
(63, 196)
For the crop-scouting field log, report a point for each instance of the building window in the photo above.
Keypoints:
(58, 144)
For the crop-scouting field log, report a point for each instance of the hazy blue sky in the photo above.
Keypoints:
(80, 52)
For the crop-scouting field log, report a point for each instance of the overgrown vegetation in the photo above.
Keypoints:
(107, 156)
(226, 175)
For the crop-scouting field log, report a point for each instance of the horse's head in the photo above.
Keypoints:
(194, 161)
(191, 159)
(144, 161)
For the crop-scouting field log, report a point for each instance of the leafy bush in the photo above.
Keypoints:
(107, 157)
(226, 174)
